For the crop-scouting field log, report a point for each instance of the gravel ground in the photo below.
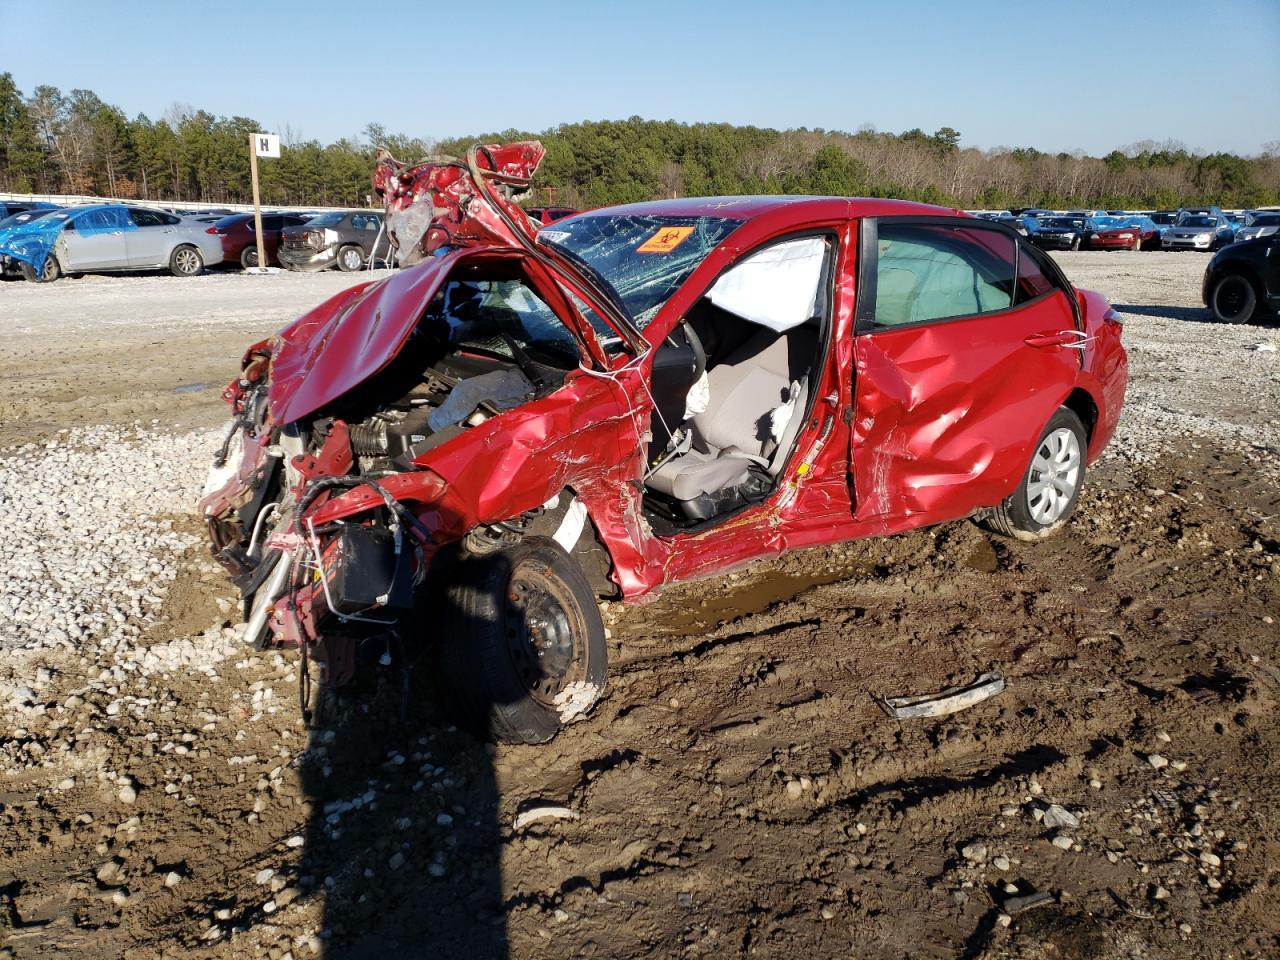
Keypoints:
(738, 792)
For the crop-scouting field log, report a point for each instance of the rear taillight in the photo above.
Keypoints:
(213, 230)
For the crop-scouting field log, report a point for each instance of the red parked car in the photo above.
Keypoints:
(239, 243)
(546, 215)
(1129, 233)
(470, 453)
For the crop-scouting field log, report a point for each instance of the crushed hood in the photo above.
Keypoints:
(348, 338)
(446, 201)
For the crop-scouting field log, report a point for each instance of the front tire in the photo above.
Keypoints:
(350, 259)
(1233, 299)
(522, 644)
(50, 272)
(185, 261)
(1047, 494)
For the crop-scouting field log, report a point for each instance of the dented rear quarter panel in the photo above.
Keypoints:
(1105, 374)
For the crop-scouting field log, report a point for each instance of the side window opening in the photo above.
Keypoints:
(732, 384)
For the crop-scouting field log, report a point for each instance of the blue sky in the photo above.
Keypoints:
(1062, 75)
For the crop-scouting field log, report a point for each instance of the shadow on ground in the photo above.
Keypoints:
(403, 872)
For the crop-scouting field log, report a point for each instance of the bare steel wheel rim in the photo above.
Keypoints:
(188, 262)
(544, 632)
(1055, 476)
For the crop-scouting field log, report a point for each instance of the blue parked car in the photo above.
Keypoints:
(10, 269)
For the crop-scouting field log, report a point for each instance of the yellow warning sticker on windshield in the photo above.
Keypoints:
(665, 240)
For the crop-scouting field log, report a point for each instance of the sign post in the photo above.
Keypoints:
(260, 145)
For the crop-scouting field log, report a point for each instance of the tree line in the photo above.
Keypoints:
(75, 143)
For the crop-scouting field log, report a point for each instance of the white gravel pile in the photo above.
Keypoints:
(87, 550)
(1201, 380)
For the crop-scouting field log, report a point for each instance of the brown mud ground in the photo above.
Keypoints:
(739, 792)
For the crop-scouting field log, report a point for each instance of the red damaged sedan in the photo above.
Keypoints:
(472, 452)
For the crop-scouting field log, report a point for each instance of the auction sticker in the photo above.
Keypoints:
(665, 240)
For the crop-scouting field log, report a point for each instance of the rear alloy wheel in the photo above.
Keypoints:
(523, 645)
(185, 261)
(1233, 299)
(1046, 497)
(350, 259)
(50, 272)
(249, 258)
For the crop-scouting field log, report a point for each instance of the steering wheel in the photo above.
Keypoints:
(695, 344)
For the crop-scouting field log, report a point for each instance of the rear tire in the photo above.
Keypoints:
(1233, 299)
(50, 272)
(1049, 490)
(350, 259)
(249, 258)
(522, 644)
(1075, 243)
(185, 261)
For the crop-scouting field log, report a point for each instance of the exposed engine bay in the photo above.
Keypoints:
(486, 344)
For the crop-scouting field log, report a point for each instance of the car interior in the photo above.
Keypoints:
(731, 385)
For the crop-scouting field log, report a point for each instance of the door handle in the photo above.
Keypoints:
(1060, 338)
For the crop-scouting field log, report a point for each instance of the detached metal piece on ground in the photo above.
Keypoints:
(542, 811)
(1016, 905)
(951, 700)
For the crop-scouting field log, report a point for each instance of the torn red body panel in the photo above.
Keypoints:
(445, 201)
(664, 390)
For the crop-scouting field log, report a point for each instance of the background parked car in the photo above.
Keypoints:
(345, 240)
(545, 215)
(9, 207)
(1243, 281)
(1126, 233)
(1061, 233)
(1260, 225)
(240, 245)
(104, 238)
(1198, 232)
(11, 269)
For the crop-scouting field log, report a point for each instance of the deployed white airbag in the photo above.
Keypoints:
(777, 287)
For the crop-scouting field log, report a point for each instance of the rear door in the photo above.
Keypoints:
(966, 341)
(149, 245)
(95, 240)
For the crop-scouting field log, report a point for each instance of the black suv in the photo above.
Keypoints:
(1243, 280)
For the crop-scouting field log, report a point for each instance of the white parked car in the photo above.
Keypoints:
(104, 238)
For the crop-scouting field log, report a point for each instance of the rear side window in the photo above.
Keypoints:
(145, 218)
(930, 272)
(1032, 281)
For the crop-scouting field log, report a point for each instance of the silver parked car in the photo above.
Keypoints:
(104, 238)
(1198, 232)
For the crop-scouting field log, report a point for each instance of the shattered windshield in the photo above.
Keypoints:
(644, 258)
(500, 317)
